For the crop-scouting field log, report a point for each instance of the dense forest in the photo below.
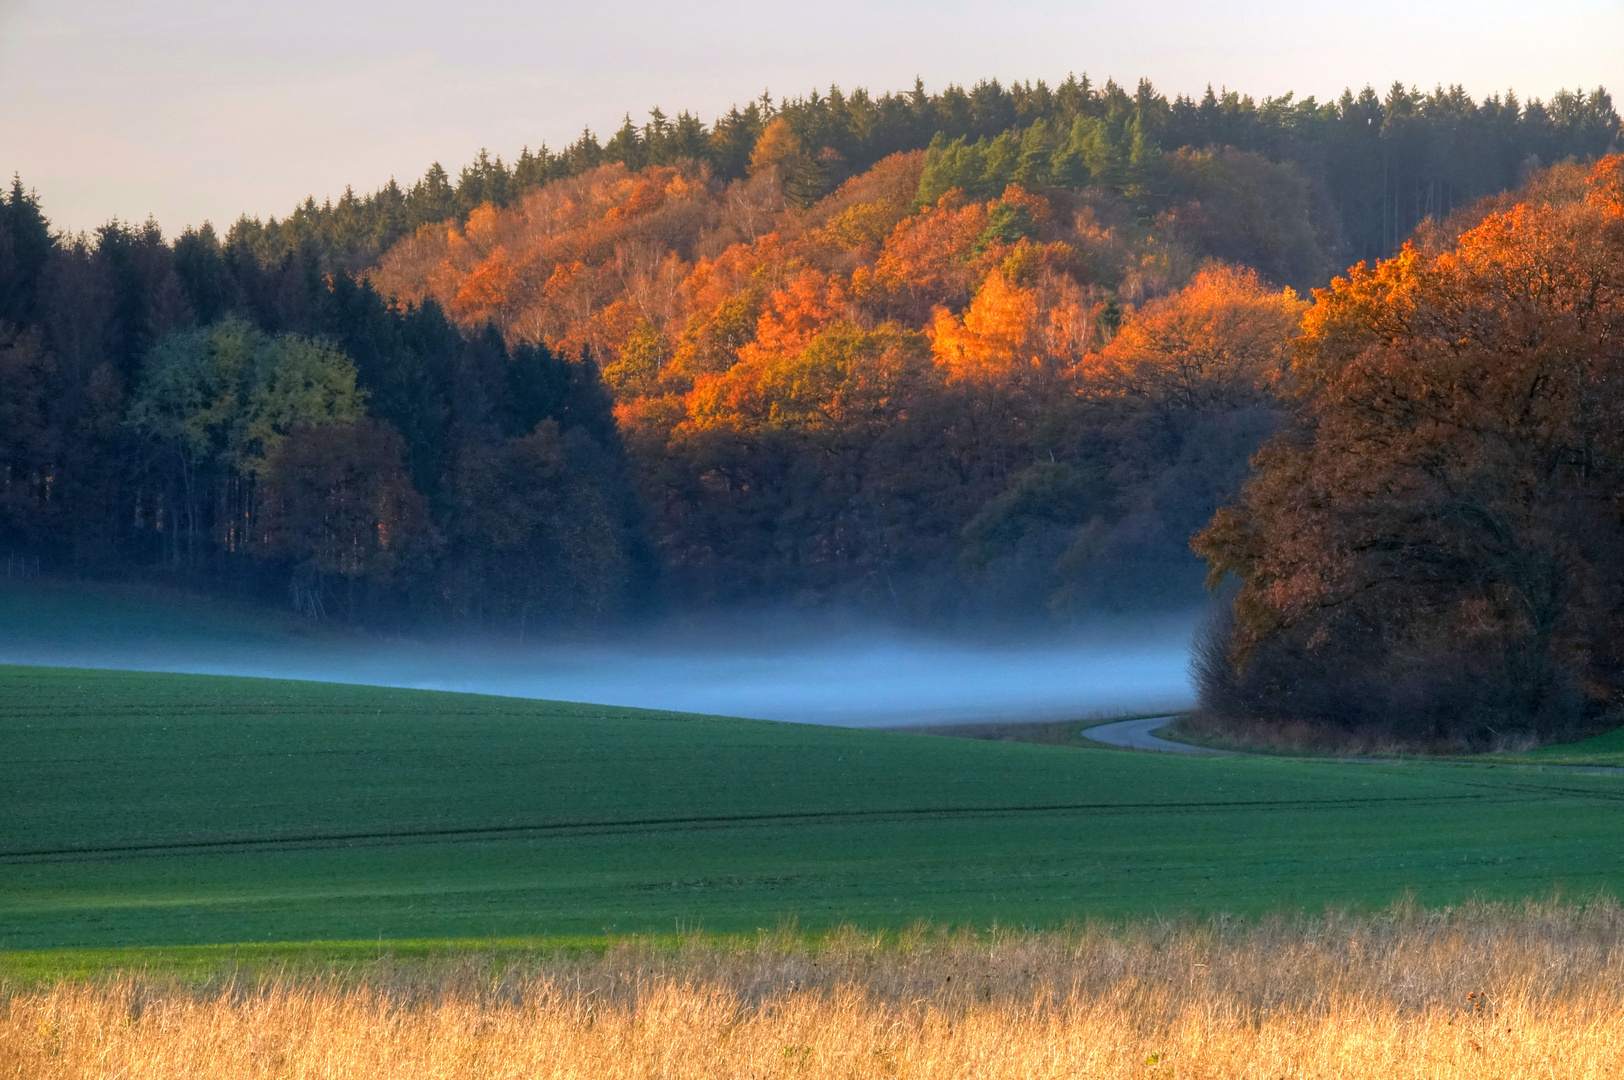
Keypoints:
(1376, 166)
(985, 354)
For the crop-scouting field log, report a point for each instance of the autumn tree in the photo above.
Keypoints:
(803, 176)
(1436, 548)
(1148, 436)
(1223, 341)
(844, 380)
(1028, 323)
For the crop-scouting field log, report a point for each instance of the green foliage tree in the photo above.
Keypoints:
(25, 247)
(230, 394)
(221, 400)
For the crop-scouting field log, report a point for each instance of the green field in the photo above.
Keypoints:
(1604, 751)
(140, 809)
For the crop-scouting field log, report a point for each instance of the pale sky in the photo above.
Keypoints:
(190, 110)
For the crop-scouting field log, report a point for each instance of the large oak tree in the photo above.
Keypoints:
(1438, 546)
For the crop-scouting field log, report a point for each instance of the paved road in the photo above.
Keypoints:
(1137, 735)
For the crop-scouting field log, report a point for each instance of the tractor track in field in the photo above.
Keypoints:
(232, 845)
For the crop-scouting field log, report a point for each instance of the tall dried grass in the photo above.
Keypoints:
(1476, 992)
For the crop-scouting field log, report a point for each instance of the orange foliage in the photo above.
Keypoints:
(1222, 340)
(1035, 205)
(855, 220)
(569, 251)
(1015, 331)
(687, 291)
(926, 261)
(487, 290)
(777, 146)
(1607, 185)
(711, 341)
(796, 310)
(1457, 479)
(844, 378)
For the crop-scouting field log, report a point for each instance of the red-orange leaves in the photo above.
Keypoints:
(544, 268)
(846, 378)
(1448, 512)
(486, 292)
(1221, 341)
(1026, 322)
(925, 262)
(805, 303)
(1607, 184)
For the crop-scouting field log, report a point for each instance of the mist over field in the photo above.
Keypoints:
(856, 678)
(785, 667)
(955, 360)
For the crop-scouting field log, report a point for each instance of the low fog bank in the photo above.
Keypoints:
(859, 678)
(779, 668)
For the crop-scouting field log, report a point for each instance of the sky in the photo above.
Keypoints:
(186, 111)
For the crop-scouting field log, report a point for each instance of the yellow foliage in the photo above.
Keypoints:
(481, 225)
(843, 378)
(777, 145)
(860, 226)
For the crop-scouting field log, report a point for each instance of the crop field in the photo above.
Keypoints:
(162, 810)
(1603, 751)
(1474, 993)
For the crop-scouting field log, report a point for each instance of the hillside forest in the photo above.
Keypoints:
(977, 356)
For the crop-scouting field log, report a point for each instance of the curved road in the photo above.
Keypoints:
(1137, 735)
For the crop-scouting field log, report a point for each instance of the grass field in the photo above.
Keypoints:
(1477, 993)
(1605, 751)
(142, 809)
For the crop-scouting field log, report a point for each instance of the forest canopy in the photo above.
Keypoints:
(992, 353)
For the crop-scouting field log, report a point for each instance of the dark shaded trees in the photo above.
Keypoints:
(337, 504)
(193, 411)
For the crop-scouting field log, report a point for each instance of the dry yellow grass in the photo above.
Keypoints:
(1472, 993)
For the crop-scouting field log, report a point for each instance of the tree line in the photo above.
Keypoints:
(1378, 164)
(186, 410)
(894, 396)
(1004, 371)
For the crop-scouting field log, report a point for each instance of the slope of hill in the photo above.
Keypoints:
(150, 809)
(977, 356)
(851, 398)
